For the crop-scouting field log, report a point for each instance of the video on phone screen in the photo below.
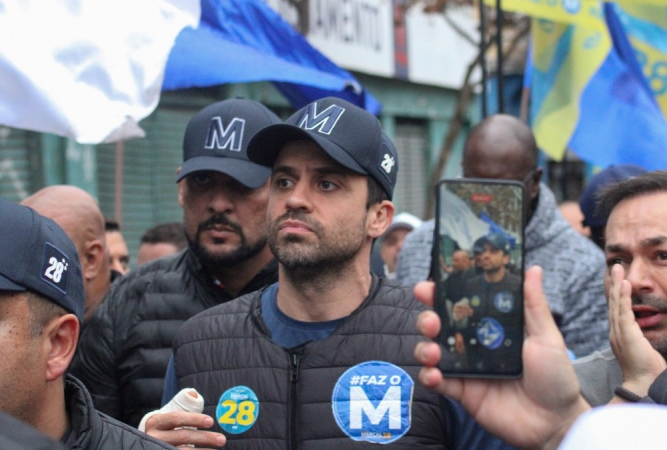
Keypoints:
(480, 277)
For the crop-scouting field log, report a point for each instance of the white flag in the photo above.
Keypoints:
(86, 69)
(459, 222)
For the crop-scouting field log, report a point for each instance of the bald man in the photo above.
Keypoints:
(77, 213)
(503, 147)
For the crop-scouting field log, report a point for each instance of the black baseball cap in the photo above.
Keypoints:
(497, 241)
(478, 246)
(350, 135)
(37, 255)
(217, 139)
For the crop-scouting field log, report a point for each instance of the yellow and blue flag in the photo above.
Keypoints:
(646, 27)
(589, 94)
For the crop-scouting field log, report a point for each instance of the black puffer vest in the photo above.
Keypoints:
(229, 346)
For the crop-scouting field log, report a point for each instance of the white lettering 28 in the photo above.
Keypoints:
(55, 270)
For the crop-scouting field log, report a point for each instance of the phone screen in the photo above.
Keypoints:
(477, 265)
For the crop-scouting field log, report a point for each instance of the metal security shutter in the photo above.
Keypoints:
(106, 167)
(16, 167)
(150, 193)
(411, 145)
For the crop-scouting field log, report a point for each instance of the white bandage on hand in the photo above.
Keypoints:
(188, 400)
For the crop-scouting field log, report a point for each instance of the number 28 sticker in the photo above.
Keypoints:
(237, 409)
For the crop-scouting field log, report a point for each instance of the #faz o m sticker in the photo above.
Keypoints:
(372, 402)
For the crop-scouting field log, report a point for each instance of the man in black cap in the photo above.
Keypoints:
(41, 310)
(323, 358)
(489, 308)
(124, 354)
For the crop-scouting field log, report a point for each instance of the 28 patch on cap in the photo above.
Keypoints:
(55, 265)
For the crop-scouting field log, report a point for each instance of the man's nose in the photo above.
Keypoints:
(640, 277)
(299, 197)
(220, 200)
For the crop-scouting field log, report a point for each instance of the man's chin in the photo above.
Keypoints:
(217, 254)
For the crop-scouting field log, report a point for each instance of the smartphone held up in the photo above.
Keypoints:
(477, 265)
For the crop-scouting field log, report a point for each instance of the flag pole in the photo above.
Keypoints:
(482, 50)
(499, 66)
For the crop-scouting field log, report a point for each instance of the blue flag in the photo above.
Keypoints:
(241, 41)
(620, 121)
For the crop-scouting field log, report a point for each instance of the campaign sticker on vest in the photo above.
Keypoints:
(504, 301)
(238, 409)
(372, 402)
(490, 333)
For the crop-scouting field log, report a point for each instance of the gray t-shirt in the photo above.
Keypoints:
(599, 373)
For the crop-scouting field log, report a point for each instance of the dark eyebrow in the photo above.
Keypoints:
(615, 248)
(333, 171)
(288, 170)
(648, 242)
(283, 169)
(654, 241)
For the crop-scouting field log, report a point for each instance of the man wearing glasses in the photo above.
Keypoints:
(503, 147)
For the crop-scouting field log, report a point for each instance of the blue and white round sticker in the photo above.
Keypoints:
(504, 301)
(372, 402)
(490, 333)
(237, 410)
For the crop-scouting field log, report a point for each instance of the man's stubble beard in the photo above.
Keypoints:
(212, 260)
(306, 263)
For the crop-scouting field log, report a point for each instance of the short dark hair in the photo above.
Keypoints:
(375, 193)
(111, 225)
(171, 233)
(612, 195)
(42, 311)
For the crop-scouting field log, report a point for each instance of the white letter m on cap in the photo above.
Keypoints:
(222, 138)
(324, 121)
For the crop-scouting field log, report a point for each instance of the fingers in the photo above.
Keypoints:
(169, 421)
(185, 436)
(614, 300)
(425, 292)
(539, 320)
(428, 324)
(428, 353)
(168, 427)
(620, 302)
(622, 324)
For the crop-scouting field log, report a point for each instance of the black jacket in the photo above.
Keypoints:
(92, 430)
(18, 435)
(124, 351)
(228, 347)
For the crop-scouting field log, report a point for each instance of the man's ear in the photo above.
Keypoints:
(380, 216)
(180, 187)
(94, 257)
(535, 187)
(60, 337)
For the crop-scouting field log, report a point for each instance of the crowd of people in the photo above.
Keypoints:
(294, 303)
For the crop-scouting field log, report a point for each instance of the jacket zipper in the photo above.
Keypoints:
(294, 379)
